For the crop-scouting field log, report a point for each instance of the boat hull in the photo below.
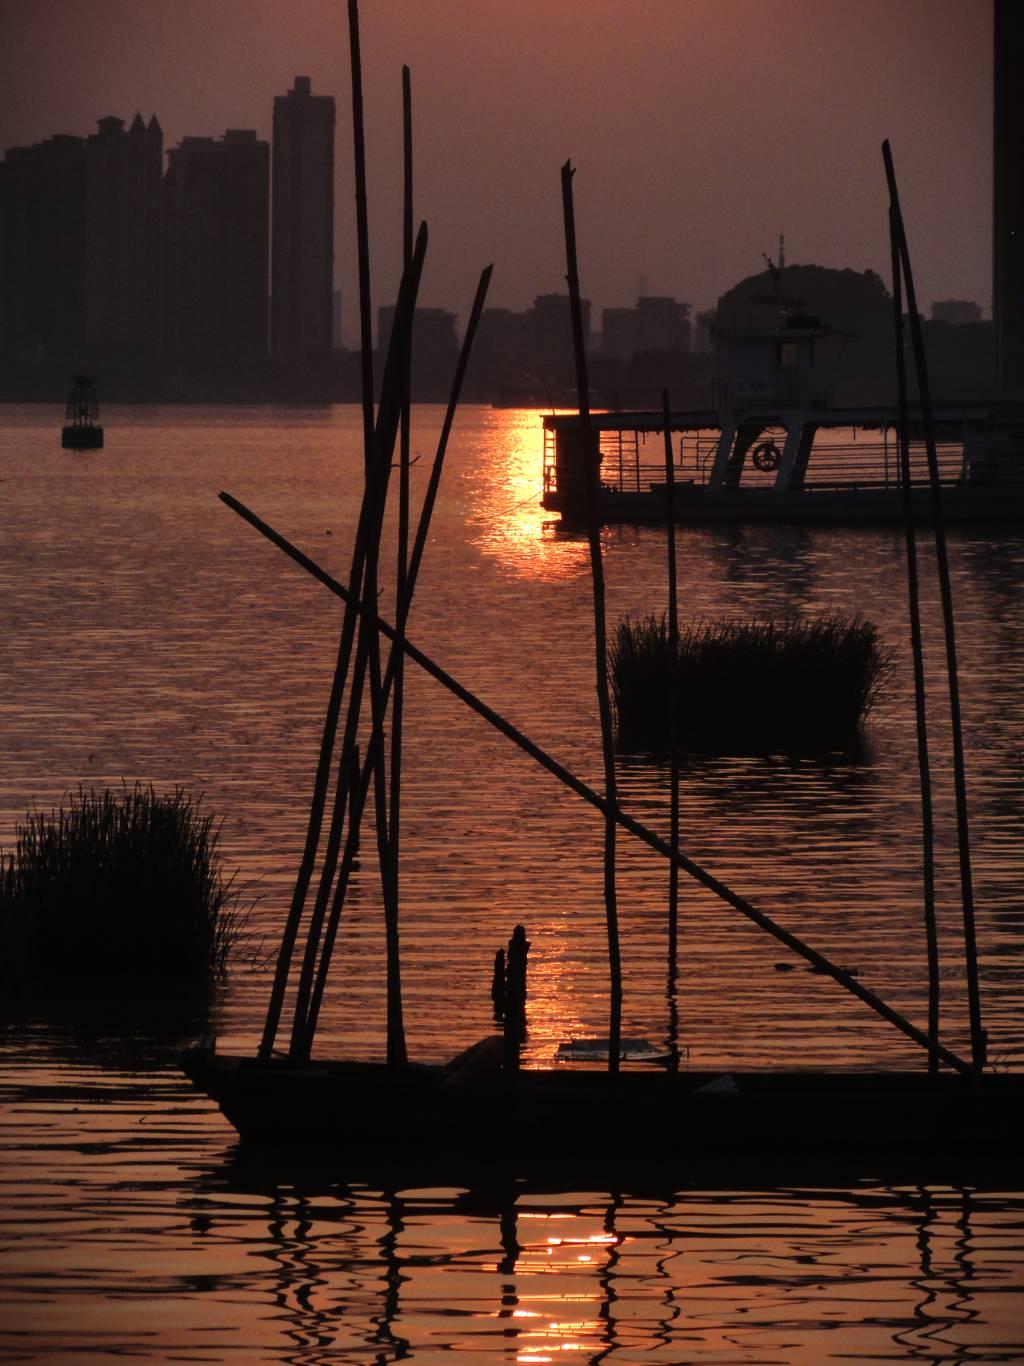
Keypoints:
(81, 438)
(361, 1111)
(966, 505)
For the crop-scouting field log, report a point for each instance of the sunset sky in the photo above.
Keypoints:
(700, 128)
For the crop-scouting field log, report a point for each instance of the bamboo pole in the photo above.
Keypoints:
(389, 817)
(397, 705)
(362, 227)
(396, 1049)
(318, 802)
(591, 477)
(673, 700)
(378, 472)
(595, 799)
(917, 650)
(369, 643)
(978, 1035)
(360, 784)
(416, 559)
(314, 826)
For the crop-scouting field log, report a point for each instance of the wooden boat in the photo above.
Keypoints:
(471, 1108)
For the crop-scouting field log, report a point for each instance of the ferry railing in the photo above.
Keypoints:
(858, 463)
(833, 465)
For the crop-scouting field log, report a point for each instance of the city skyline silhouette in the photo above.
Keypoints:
(698, 139)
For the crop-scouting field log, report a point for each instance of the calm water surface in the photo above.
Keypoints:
(149, 634)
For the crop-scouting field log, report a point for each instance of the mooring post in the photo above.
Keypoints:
(515, 997)
(498, 985)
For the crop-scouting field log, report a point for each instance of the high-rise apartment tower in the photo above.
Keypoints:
(302, 224)
(1008, 195)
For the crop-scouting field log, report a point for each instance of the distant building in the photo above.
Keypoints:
(302, 250)
(122, 252)
(1008, 195)
(549, 324)
(337, 335)
(704, 340)
(664, 324)
(620, 332)
(435, 348)
(216, 223)
(42, 252)
(956, 311)
(657, 323)
(500, 350)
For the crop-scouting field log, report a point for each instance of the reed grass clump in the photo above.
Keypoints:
(792, 678)
(117, 891)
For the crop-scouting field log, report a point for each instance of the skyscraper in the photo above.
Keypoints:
(123, 173)
(216, 223)
(42, 253)
(302, 224)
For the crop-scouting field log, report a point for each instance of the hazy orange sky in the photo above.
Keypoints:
(700, 128)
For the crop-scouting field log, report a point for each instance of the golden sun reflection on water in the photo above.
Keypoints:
(506, 483)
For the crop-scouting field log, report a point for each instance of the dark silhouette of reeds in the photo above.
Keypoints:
(117, 891)
(789, 678)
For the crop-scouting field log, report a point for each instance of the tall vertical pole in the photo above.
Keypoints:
(978, 1037)
(362, 228)
(673, 702)
(917, 650)
(396, 1027)
(591, 475)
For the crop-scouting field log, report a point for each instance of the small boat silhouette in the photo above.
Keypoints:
(82, 431)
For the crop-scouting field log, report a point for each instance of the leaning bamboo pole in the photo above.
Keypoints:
(917, 651)
(600, 803)
(673, 699)
(397, 653)
(591, 476)
(978, 1036)
(318, 803)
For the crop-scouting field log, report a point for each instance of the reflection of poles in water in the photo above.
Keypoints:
(510, 1249)
(607, 1283)
(926, 1325)
(670, 1251)
(385, 1336)
(299, 1276)
(945, 1299)
(962, 1257)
